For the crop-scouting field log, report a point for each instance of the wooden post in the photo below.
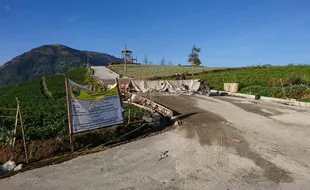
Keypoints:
(283, 89)
(69, 114)
(23, 131)
(129, 111)
(120, 99)
(192, 70)
(16, 122)
(125, 59)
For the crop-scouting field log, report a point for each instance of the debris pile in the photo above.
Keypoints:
(151, 105)
(173, 86)
(10, 166)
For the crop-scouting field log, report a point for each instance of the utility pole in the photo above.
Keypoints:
(125, 66)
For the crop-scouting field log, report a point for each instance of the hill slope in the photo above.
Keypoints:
(48, 60)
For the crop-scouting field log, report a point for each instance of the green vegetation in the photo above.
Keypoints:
(193, 58)
(43, 118)
(149, 71)
(300, 92)
(275, 81)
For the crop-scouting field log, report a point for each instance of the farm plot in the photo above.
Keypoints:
(149, 71)
(46, 119)
(223, 143)
(274, 81)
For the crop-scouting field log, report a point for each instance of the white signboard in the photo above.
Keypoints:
(91, 110)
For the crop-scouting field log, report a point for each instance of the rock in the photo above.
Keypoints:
(8, 166)
(147, 119)
(236, 140)
(18, 167)
(156, 117)
(178, 123)
(163, 155)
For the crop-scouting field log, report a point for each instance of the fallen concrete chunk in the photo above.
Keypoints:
(147, 119)
(8, 166)
(18, 167)
(178, 123)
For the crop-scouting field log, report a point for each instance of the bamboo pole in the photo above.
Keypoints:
(16, 122)
(283, 89)
(129, 110)
(69, 114)
(23, 131)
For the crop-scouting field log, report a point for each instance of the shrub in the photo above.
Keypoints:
(299, 92)
(293, 79)
(258, 90)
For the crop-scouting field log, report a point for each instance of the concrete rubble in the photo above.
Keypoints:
(8, 166)
(151, 105)
(172, 86)
(18, 167)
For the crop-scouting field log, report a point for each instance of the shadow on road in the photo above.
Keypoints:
(187, 115)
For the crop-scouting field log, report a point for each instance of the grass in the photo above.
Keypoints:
(149, 71)
(43, 118)
(276, 81)
(263, 76)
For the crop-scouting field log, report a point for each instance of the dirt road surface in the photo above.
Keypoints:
(223, 143)
(103, 73)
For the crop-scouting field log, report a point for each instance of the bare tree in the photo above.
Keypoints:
(145, 60)
(163, 61)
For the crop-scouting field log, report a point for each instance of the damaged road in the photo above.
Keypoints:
(223, 143)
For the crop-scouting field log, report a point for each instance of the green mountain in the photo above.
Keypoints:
(49, 60)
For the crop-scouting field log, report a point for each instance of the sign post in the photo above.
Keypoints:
(69, 114)
(89, 110)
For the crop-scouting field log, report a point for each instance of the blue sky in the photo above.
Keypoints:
(229, 32)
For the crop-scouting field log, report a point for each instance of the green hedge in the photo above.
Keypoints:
(299, 92)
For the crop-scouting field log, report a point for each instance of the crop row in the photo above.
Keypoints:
(144, 71)
(263, 76)
(43, 118)
(293, 81)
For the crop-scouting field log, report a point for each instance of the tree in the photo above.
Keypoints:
(163, 61)
(145, 60)
(170, 63)
(193, 58)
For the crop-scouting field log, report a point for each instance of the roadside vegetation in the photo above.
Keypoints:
(292, 81)
(274, 81)
(44, 114)
(151, 71)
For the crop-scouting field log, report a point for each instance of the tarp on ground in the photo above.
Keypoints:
(165, 85)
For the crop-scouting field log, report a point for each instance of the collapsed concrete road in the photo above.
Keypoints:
(223, 143)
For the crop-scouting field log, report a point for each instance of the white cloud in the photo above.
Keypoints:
(7, 7)
(73, 18)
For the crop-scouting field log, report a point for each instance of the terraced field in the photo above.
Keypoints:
(148, 71)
